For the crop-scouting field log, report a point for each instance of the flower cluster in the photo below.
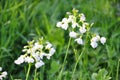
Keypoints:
(2, 74)
(35, 52)
(76, 24)
(97, 38)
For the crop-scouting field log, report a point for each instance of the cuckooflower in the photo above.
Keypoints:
(73, 34)
(2, 74)
(39, 64)
(79, 41)
(94, 44)
(35, 51)
(82, 29)
(103, 40)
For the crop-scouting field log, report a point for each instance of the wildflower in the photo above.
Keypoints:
(96, 38)
(82, 29)
(20, 60)
(59, 24)
(29, 59)
(39, 64)
(103, 40)
(74, 24)
(73, 34)
(2, 74)
(79, 41)
(77, 27)
(48, 46)
(94, 44)
(34, 53)
(82, 17)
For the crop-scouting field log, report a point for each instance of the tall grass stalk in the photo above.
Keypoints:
(117, 70)
(66, 54)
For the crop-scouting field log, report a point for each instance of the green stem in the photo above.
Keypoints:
(117, 70)
(35, 74)
(59, 77)
(80, 56)
(28, 72)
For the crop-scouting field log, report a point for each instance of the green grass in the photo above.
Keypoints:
(25, 20)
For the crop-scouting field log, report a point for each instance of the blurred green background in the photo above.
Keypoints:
(25, 20)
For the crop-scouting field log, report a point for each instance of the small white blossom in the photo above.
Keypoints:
(64, 26)
(65, 20)
(79, 41)
(95, 39)
(71, 18)
(39, 64)
(29, 59)
(20, 60)
(52, 51)
(73, 34)
(42, 54)
(38, 46)
(2, 74)
(48, 46)
(82, 29)
(74, 25)
(82, 17)
(59, 24)
(94, 44)
(103, 40)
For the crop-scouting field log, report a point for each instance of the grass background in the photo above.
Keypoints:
(25, 20)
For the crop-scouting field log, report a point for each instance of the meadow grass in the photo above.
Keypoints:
(25, 20)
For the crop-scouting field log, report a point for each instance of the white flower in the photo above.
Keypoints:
(74, 24)
(94, 44)
(82, 29)
(64, 26)
(103, 40)
(48, 46)
(42, 54)
(71, 18)
(73, 34)
(52, 51)
(20, 60)
(79, 41)
(29, 59)
(65, 20)
(0, 68)
(38, 46)
(95, 39)
(4, 74)
(59, 24)
(82, 17)
(39, 64)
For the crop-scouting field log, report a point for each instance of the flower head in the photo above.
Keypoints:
(34, 53)
(103, 40)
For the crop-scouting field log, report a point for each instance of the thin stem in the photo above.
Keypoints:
(117, 70)
(80, 56)
(28, 72)
(59, 77)
(35, 74)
